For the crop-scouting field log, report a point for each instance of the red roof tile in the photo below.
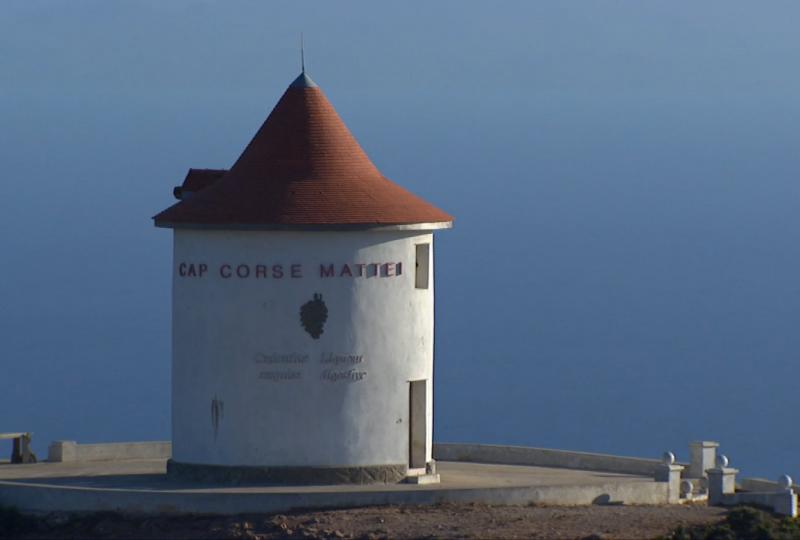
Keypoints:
(302, 169)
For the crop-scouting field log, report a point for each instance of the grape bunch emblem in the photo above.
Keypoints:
(313, 315)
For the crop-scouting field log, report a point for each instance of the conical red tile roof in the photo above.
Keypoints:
(303, 169)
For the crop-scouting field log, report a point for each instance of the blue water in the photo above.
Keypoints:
(622, 276)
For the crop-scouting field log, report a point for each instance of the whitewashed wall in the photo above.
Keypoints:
(225, 329)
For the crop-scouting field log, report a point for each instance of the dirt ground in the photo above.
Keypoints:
(394, 522)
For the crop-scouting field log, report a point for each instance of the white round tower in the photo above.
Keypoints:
(302, 310)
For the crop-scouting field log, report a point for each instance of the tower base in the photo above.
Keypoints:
(237, 474)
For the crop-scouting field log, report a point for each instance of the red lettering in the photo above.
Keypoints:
(182, 269)
(277, 271)
(203, 269)
(297, 271)
(326, 272)
(345, 270)
(243, 273)
(261, 271)
(222, 270)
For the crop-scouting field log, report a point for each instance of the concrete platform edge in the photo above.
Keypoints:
(37, 498)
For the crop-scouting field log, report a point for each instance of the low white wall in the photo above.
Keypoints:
(761, 484)
(542, 457)
(782, 502)
(72, 451)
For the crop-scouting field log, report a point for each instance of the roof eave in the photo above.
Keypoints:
(426, 226)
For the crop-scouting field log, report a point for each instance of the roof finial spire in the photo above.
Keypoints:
(302, 55)
(303, 80)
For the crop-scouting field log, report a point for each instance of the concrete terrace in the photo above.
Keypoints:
(149, 475)
(142, 486)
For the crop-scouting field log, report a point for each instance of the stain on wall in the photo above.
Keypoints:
(217, 411)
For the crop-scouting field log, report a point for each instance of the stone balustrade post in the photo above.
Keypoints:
(702, 456)
(785, 501)
(721, 481)
(62, 451)
(668, 471)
